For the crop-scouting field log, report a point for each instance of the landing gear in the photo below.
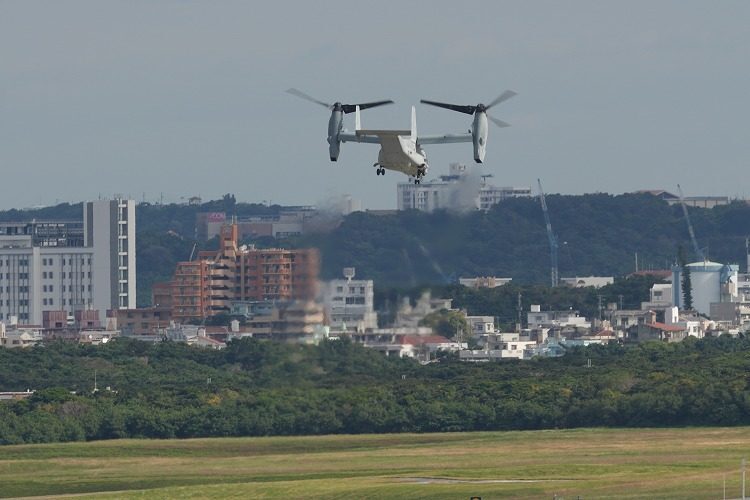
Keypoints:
(421, 171)
(380, 171)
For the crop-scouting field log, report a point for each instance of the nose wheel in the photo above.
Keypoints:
(380, 171)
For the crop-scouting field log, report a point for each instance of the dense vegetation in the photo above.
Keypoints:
(599, 234)
(263, 388)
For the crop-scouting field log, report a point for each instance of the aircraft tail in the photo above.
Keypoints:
(357, 123)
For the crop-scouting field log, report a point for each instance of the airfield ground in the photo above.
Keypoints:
(590, 463)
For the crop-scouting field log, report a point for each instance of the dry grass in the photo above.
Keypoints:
(592, 463)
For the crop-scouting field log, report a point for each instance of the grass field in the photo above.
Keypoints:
(590, 463)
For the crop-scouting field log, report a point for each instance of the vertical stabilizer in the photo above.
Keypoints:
(357, 123)
(413, 123)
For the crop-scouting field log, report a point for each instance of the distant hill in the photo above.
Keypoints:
(599, 234)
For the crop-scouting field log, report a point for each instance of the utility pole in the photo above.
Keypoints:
(743, 478)
(519, 324)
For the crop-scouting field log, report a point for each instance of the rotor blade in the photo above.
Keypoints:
(349, 108)
(502, 97)
(469, 110)
(497, 122)
(306, 97)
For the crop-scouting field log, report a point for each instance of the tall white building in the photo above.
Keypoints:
(68, 265)
(109, 229)
(349, 303)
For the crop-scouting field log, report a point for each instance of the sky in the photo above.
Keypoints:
(163, 100)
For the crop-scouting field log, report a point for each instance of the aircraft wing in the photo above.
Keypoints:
(373, 136)
(444, 139)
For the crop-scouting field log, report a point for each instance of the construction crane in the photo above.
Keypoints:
(550, 236)
(698, 251)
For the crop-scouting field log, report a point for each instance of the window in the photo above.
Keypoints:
(44, 302)
(52, 288)
(44, 262)
(44, 275)
(44, 288)
(51, 275)
(51, 302)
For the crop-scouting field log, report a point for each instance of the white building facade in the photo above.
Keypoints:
(109, 229)
(65, 266)
(349, 303)
(461, 189)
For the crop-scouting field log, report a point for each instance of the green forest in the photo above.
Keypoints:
(255, 388)
(598, 234)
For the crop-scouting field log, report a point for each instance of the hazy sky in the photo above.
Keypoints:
(187, 98)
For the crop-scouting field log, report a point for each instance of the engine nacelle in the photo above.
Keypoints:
(335, 125)
(479, 132)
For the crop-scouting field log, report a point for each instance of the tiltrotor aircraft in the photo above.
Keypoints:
(401, 150)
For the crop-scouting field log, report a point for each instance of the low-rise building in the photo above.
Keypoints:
(568, 318)
(586, 281)
(19, 336)
(481, 325)
(657, 331)
(484, 282)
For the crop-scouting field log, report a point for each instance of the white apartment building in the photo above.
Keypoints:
(462, 189)
(349, 303)
(68, 265)
(109, 229)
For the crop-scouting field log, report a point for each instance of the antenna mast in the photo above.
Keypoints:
(551, 237)
(698, 252)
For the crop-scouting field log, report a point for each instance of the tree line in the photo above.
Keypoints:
(255, 388)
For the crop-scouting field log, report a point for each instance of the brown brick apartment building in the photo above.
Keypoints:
(208, 285)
